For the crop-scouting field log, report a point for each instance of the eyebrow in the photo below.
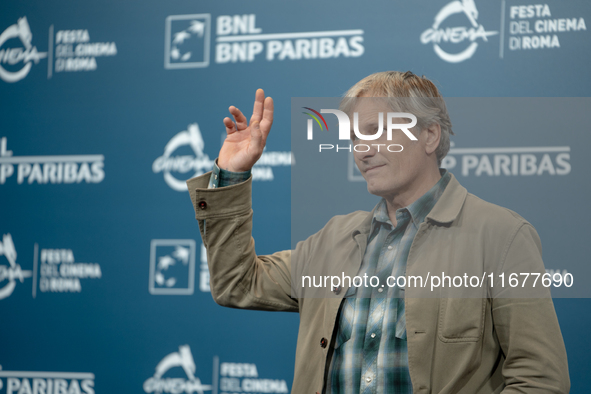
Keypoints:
(372, 126)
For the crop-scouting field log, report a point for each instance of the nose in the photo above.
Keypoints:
(364, 151)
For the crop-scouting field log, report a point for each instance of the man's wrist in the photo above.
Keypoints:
(221, 178)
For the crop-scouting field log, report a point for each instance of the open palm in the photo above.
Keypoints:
(245, 141)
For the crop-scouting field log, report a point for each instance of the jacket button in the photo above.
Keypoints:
(202, 204)
(323, 342)
(336, 289)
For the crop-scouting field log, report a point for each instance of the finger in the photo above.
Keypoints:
(267, 120)
(256, 138)
(241, 122)
(230, 127)
(257, 111)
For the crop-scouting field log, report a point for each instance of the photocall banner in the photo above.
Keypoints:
(109, 107)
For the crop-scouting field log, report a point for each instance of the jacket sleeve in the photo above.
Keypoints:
(238, 277)
(526, 324)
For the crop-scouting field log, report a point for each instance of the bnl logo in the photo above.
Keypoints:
(172, 266)
(187, 40)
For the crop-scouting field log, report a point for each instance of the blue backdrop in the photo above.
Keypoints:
(107, 107)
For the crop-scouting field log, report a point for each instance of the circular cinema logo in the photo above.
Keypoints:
(12, 272)
(457, 35)
(182, 359)
(183, 154)
(23, 56)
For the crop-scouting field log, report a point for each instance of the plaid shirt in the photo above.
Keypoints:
(370, 354)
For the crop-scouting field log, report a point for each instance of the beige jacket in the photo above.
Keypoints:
(455, 345)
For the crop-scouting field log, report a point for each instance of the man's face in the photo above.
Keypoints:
(387, 173)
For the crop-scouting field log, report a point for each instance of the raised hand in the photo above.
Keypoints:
(245, 141)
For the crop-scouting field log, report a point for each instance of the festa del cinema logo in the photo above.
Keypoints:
(175, 374)
(456, 36)
(68, 51)
(184, 154)
(345, 130)
(238, 39)
(54, 270)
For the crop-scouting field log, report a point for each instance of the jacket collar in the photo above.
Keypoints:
(446, 210)
(448, 207)
(364, 226)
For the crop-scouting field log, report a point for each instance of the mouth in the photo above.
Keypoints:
(369, 169)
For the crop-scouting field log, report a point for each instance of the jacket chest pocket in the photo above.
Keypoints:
(461, 319)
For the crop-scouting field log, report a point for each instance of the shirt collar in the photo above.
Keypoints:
(419, 209)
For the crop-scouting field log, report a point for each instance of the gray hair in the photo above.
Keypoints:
(406, 92)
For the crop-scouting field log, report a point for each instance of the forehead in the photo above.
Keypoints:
(368, 108)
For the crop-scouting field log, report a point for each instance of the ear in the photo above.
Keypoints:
(432, 136)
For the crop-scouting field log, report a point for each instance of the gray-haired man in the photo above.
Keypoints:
(425, 222)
